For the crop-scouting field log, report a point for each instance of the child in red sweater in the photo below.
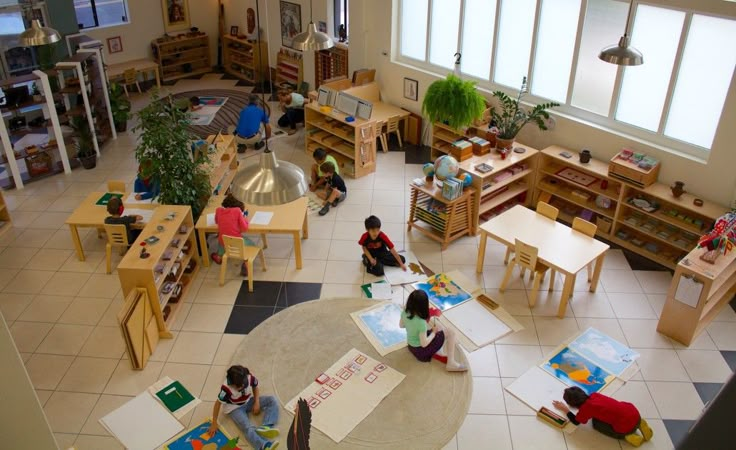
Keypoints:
(619, 420)
(231, 221)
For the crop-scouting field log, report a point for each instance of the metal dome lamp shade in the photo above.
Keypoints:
(270, 182)
(312, 39)
(38, 35)
(622, 54)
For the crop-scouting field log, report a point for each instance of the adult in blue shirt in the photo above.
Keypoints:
(248, 131)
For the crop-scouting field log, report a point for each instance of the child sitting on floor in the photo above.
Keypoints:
(426, 337)
(231, 221)
(619, 420)
(239, 396)
(378, 250)
(115, 208)
(335, 189)
(318, 178)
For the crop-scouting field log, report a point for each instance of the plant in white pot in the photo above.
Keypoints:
(511, 117)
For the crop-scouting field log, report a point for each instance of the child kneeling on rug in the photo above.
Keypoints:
(426, 336)
(619, 420)
(231, 221)
(239, 396)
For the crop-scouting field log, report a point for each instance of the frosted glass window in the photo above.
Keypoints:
(414, 28)
(703, 81)
(11, 22)
(478, 26)
(558, 24)
(515, 30)
(594, 79)
(443, 36)
(656, 34)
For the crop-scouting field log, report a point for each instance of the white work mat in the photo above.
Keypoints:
(414, 271)
(479, 324)
(142, 424)
(380, 325)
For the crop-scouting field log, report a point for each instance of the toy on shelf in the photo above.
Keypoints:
(721, 240)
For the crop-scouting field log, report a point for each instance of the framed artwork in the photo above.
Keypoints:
(291, 22)
(176, 15)
(322, 27)
(233, 31)
(410, 89)
(115, 44)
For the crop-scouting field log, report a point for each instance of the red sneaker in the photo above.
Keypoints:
(216, 258)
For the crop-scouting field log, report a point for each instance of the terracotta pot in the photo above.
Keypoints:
(504, 143)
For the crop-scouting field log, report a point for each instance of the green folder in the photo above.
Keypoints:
(106, 198)
(367, 288)
(174, 396)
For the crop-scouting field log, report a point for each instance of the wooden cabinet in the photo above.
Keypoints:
(182, 56)
(245, 59)
(166, 275)
(438, 218)
(289, 68)
(698, 292)
(5, 222)
(353, 144)
(223, 163)
(330, 64)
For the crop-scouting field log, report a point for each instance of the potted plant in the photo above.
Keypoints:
(513, 117)
(84, 141)
(120, 106)
(453, 102)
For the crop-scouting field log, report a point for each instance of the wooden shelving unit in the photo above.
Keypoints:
(99, 97)
(353, 144)
(5, 222)
(223, 163)
(289, 68)
(245, 59)
(438, 218)
(707, 288)
(330, 63)
(153, 274)
(182, 56)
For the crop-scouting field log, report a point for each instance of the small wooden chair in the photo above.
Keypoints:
(117, 236)
(588, 229)
(116, 186)
(526, 258)
(547, 211)
(130, 77)
(236, 248)
(392, 126)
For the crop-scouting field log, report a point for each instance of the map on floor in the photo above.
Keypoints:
(606, 352)
(574, 370)
(443, 292)
(380, 325)
(413, 273)
(198, 438)
(212, 101)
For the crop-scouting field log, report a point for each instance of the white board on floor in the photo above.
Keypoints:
(142, 424)
(413, 274)
(537, 388)
(477, 323)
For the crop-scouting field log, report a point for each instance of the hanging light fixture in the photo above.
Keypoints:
(38, 35)
(270, 182)
(622, 54)
(312, 39)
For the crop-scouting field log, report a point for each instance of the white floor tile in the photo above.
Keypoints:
(723, 334)
(661, 365)
(620, 281)
(643, 334)
(705, 366)
(654, 281)
(514, 360)
(531, 433)
(631, 305)
(483, 362)
(478, 431)
(679, 401)
(637, 393)
(487, 396)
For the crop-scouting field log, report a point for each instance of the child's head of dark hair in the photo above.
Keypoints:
(283, 93)
(417, 304)
(327, 168)
(231, 202)
(319, 155)
(194, 100)
(574, 396)
(114, 205)
(372, 222)
(236, 375)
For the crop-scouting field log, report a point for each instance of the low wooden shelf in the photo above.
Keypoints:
(182, 56)
(245, 59)
(438, 218)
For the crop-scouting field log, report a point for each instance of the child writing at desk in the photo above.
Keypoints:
(231, 221)
(115, 208)
(145, 187)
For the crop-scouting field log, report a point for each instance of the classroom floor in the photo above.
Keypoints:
(61, 312)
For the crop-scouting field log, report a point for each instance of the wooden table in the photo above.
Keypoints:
(560, 247)
(91, 215)
(142, 66)
(289, 218)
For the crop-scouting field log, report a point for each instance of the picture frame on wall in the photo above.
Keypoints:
(291, 22)
(322, 27)
(114, 44)
(233, 30)
(176, 15)
(411, 89)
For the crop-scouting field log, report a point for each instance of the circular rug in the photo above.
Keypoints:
(290, 349)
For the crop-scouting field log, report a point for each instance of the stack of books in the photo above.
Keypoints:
(452, 188)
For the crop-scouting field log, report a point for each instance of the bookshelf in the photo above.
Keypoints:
(247, 60)
(289, 68)
(440, 219)
(330, 63)
(183, 56)
(5, 221)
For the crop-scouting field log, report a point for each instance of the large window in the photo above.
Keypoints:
(341, 15)
(101, 13)
(674, 100)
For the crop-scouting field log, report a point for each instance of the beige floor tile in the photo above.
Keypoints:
(487, 396)
(228, 345)
(24, 219)
(25, 356)
(637, 392)
(43, 396)
(531, 433)
(105, 405)
(28, 282)
(66, 283)
(110, 317)
(31, 238)
(586, 438)
(29, 335)
(50, 220)
(527, 336)
(478, 431)
(483, 362)
(6, 275)
(723, 334)
(678, 401)
(85, 311)
(65, 440)
(207, 318)
(195, 348)
(104, 342)
(311, 272)
(87, 442)
(46, 371)
(610, 327)
(215, 378)
(46, 308)
(202, 412)
(554, 331)
(61, 239)
(191, 376)
(67, 411)
(126, 381)
(92, 261)
(591, 304)
(452, 445)
(48, 259)
(101, 286)
(13, 305)
(661, 365)
(705, 366)
(163, 349)
(643, 334)
(335, 290)
(88, 375)
(65, 339)
(211, 292)
(514, 360)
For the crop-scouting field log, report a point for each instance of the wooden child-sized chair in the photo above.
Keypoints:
(117, 236)
(236, 248)
(392, 126)
(547, 211)
(526, 258)
(588, 229)
(116, 186)
(130, 77)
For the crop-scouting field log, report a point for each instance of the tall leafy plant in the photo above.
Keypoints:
(512, 117)
(453, 101)
(164, 149)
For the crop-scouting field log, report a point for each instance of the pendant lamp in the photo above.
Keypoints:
(38, 35)
(622, 54)
(312, 39)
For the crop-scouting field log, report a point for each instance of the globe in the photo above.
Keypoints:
(445, 167)
(428, 169)
(466, 179)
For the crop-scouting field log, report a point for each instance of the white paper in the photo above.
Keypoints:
(211, 220)
(261, 218)
(142, 424)
(381, 291)
(414, 272)
(31, 139)
(688, 291)
(477, 323)
(537, 388)
(147, 214)
(132, 200)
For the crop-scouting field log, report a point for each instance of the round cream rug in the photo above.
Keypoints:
(291, 348)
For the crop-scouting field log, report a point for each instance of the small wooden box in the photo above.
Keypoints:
(628, 171)
(480, 146)
(461, 150)
(488, 135)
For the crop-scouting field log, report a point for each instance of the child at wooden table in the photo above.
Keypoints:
(239, 396)
(619, 420)
(426, 336)
(231, 221)
(145, 187)
(115, 208)
(378, 250)
(317, 177)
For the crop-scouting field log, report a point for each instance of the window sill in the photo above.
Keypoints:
(81, 30)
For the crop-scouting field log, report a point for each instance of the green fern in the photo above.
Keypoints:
(453, 101)
(513, 118)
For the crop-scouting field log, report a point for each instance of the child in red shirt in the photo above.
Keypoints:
(231, 221)
(378, 250)
(619, 420)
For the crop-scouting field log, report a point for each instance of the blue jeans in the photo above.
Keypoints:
(270, 408)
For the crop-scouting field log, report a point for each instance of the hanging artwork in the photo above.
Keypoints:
(291, 22)
(176, 15)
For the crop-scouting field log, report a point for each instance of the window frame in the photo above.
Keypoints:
(657, 139)
(93, 5)
(340, 6)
